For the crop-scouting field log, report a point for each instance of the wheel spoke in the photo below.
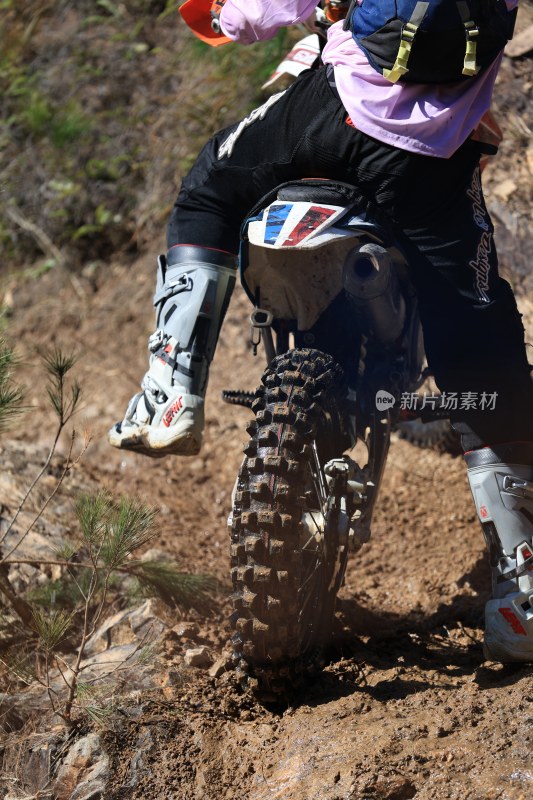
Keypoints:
(318, 476)
(318, 566)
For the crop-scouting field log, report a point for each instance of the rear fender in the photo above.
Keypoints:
(299, 236)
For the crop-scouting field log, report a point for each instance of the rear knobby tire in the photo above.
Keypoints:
(285, 581)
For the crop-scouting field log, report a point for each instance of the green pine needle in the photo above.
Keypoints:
(10, 396)
(58, 363)
(176, 588)
(20, 665)
(64, 400)
(66, 550)
(51, 627)
(131, 524)
(92, 512)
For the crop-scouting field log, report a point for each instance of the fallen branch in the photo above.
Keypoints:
(46, 244)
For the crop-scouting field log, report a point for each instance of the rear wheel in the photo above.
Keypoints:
(287, 555)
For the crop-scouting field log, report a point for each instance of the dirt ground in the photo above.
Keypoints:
(406, 706)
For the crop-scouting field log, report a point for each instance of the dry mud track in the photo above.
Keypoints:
(405, 706)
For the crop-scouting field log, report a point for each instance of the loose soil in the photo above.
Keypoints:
(406, 706)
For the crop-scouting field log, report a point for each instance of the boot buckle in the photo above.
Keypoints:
(518, 487)
(156, 340)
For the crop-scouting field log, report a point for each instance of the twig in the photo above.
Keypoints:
(467, 633)
(67, 713)
(46, 245)
(48, 686)
(39, 562)
(32, 486)
(65, 679)
(77, 583)
(122, 663)
(68, 466)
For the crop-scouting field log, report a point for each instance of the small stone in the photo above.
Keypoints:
(186, 630)
(146, 620)
(171, 677)
(220, 666)
(154, 554)
(84, 769)
(198, 657)
(521, 44)
(505, 189)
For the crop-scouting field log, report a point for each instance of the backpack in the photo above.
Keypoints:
(436, 41)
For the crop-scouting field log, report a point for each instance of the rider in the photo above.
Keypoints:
(407, 146)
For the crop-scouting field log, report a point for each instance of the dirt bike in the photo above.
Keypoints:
(321, 271)
(337, 315)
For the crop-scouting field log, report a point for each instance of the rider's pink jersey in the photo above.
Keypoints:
(424, 118)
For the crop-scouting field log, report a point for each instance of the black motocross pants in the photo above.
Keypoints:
(473, 334)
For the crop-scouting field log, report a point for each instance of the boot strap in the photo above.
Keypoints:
(516, 573)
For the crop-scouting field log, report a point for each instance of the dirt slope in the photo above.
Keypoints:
(405, 708)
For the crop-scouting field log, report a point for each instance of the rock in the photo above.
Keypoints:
(112, 632)
(220, 666)
(36, 754)
(146, 621)
(154, 554)
(172, 677)
(109, 660)
(186, 630)
(29, 759)
(198, 657)
(15, 709)
(521, 43)
(12, 711)
(505, 189)
(510, 221)
(84, 773)
(139, 768)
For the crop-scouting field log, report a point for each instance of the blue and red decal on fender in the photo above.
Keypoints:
(275, 221)
(312, 219)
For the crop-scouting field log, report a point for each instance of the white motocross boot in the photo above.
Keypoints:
(194, 287)
(501, 480)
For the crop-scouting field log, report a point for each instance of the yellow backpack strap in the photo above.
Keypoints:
(472, 32)
(400, 66)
